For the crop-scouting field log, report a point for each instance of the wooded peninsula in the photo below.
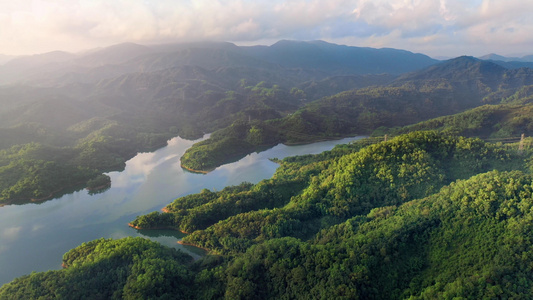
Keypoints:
(436, 204)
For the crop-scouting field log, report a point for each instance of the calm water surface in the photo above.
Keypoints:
(34, 237)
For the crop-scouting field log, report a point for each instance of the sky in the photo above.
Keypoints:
(434, 27)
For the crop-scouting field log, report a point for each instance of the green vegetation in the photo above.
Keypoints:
(99, 182)
(327, 191)
(35, 171)
(493, 122)
(130, 268)
(470, 240)
(426, 215)
(98, 125)
(111, 125)
(228, 144)
(444, 89)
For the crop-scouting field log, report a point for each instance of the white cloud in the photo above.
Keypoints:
(449, 26)
(44, 25)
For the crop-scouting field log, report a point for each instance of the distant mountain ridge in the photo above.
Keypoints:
(5, 58)
(447, 88)
(460, 68)
(510, 62)
(493, 56)
(339, 58)
(50, 69)
(40, 59)
(484, 76)
(248, 97)
(115, 54)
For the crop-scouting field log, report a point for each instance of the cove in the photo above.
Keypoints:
(34, 236)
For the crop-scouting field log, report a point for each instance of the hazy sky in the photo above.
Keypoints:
(433, 27)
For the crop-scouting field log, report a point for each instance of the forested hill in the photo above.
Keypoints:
(66, 117)
(444, 89)
(58, 68)
(95, 110)
(472, 73)
(460, 69)
(507, 119)
(340, 59)
(423, 215)
(415, 217)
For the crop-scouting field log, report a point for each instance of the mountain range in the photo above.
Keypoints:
(51, 69)
(423, 215)
(493, 56)
(447, 88)
(134, 97)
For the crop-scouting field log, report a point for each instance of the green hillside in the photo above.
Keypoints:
(443, 89)
(115, 121)
(298, 199)
(415, 217)
(130, 268)
(96, 110)
(248, 97)
(503, 122)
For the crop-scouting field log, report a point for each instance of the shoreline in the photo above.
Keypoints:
(53, 194)
(37, 200)
(192, 245)
(100, 187)
(325, 139)
(195, 171)
(153, 228)
(157, 228)
(171, 228)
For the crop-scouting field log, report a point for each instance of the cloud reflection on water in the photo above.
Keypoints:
(11, 232)
(149, 182)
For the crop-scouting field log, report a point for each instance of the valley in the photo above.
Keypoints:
(438, 209)
(93, 120)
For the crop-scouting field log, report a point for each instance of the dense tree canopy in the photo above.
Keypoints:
(130, 268)
(407, 218)
(311, 192)
(424, 215)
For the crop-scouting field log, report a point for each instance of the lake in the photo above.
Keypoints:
(34, 237)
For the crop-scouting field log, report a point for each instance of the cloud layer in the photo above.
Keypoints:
(436, 27)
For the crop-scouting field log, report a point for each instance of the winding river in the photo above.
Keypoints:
(34, 237)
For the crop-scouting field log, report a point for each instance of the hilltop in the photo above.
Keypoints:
(96, 109)
(415, 217)
(443, 89)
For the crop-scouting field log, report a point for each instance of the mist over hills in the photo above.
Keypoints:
(469, 71)
(446, 88)
(341, 59)
(328, 59)
(179, 81)
(384, 221)
(493, 56)
(510, 62)
(142, 95)
(5, 58)
(442, 89)
(135, 79)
